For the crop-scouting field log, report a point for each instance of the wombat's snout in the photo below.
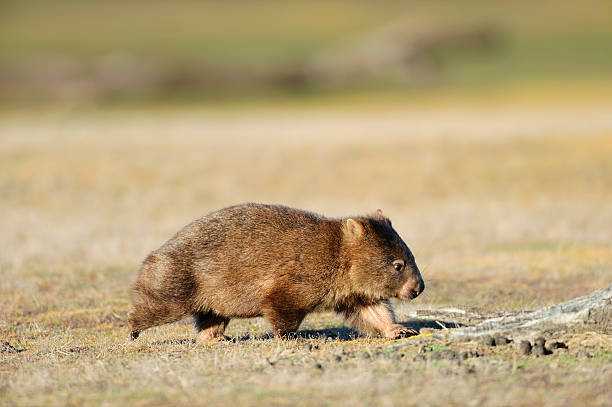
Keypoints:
(412, 288)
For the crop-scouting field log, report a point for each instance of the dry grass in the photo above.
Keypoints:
(505, 210)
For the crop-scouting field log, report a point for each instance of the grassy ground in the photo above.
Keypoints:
(506, 209)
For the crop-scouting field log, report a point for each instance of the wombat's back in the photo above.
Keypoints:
(233, 259)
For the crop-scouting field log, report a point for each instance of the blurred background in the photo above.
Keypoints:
(113, 52)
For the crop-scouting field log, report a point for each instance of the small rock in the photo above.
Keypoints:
(540, 350)
(318, 366)
(525, 347)
(444, 354)
(501, 340)
(469, 354)
(488, 340)
(399, 356)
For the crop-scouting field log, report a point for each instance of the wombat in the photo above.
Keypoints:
(281, 263)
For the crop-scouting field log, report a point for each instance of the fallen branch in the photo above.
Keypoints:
(593, 310)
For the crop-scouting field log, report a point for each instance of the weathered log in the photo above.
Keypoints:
(593, 311)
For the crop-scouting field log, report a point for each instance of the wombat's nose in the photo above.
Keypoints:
(420, 288)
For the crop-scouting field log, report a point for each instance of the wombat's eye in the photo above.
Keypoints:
(398, 265)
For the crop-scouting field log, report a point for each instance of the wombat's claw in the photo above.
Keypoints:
(411, 332)
(400, 331)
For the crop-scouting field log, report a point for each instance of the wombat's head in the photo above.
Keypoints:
(381, 265)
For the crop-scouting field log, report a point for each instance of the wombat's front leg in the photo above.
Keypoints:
(378, 319)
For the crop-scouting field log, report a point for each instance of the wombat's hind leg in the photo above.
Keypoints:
(210, 326)
(283, 321)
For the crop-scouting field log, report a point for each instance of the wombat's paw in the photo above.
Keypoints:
(399, 331)
(209, 335)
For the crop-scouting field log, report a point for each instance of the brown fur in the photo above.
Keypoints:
(280, 263)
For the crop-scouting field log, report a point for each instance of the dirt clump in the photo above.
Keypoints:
(501, 340)
(525, 347)
(541, 350)
(487, 340)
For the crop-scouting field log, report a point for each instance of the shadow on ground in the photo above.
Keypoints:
(340, 334)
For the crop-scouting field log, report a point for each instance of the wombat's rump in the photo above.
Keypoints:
(280, 263)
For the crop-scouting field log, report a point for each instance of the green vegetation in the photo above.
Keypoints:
(184, 50)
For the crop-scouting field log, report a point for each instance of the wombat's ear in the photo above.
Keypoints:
(353, 228)
(380, 215)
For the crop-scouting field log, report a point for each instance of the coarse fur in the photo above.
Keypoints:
(281, 263)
